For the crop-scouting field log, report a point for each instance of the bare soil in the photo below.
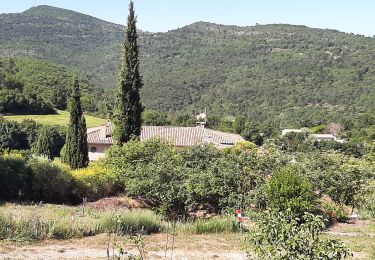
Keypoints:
(359, 236)
(156, 247)
(118, 203)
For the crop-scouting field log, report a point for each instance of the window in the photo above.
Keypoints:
(93, 150)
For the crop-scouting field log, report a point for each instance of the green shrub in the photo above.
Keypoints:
(293, 142)
(340, 177)
(96, 182)
(61, 230)
(131, 221)
(214, 225)
(280, 235)
(333, 213)
(289, 189)
(221, 180)
(183, 180)
(150, 170)
(15, 178)
(367, 201)
(52, 181)
(11, 136)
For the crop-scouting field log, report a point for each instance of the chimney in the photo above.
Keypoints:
(200, 124)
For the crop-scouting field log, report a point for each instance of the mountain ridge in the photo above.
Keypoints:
(39, 8)
(285, 75)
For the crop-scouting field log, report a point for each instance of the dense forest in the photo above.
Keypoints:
(262, 77)
(29, 86)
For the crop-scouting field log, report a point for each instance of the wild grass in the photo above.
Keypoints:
(23, 229)
(372, 253)
(223, 224)
(27, 229)
(144, 221)
(42, 221)
(61, 118)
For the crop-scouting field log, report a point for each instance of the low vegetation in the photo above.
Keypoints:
(282, 235)
(202, 177)
(41, 221)
(178, 183)
(143, 221)
(216, 225)
(60, 118)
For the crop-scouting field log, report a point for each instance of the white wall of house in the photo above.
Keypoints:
(97, 151)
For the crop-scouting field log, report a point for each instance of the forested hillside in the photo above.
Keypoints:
(273, 75)
(30, 86)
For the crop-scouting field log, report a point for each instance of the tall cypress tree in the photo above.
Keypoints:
(75, 152)
(42, 144)
(128, 107)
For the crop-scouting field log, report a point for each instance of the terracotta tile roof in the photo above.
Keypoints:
(177, 136)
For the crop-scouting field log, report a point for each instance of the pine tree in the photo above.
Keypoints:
(42, 144)
(128, 107)
(75, 152)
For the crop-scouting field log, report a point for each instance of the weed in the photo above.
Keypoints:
(224, 224)
(144, 221)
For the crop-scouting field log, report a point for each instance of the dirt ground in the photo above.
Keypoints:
(359, 236)
(184, 247)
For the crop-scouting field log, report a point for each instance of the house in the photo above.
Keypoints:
(99, 138)
(323, 137)
(315, 137)
(327, 137)
(301, 130)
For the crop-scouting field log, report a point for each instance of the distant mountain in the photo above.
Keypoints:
(79, 41)
(283, 75)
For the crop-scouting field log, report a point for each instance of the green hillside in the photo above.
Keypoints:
(273, 75)
(63, 37)
(29, 86)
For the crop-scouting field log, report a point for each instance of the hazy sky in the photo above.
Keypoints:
(356, 16)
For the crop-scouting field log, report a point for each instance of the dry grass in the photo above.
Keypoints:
(360, 237)
(184, 247)
(23, 222)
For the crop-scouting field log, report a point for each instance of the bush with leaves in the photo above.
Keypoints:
(151, 170)
(95, 182)
(289, 189)
(199, 177)
(282, 235)
(15, 177)
(337, 175)
(366, 200)
(221, 180)
(11, 136)
(52, 181)
(332, 212)
(293, 142)
(30, 128)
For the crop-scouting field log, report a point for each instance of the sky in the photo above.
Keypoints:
(353, 16)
